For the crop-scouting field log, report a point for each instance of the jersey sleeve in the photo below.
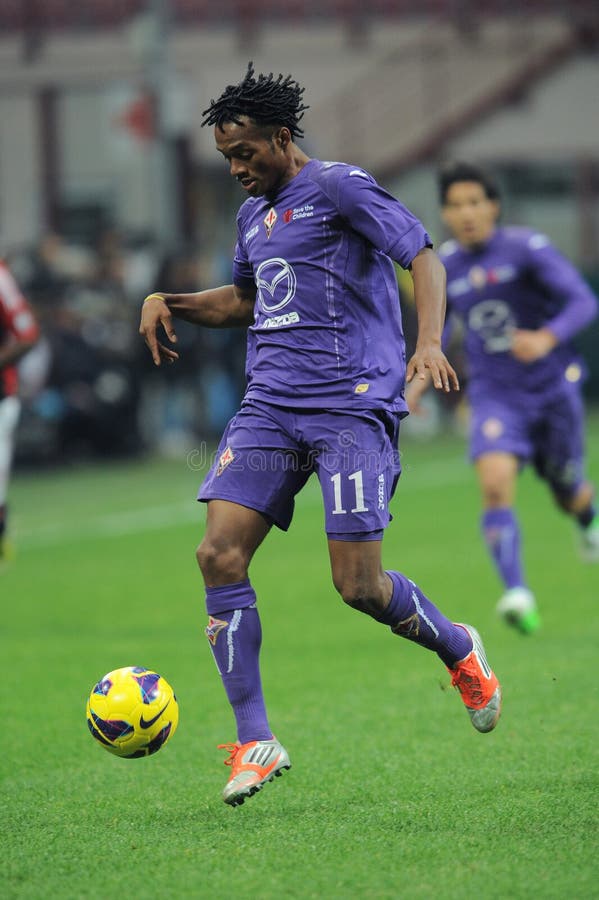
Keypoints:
(243, 274)
(16, 315)
(380, 218)
(561, 280)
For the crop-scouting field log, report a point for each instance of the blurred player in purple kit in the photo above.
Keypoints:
(521, 303)
(314, 283)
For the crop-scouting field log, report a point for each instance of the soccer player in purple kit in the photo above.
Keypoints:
(313, 281)
(521, 302)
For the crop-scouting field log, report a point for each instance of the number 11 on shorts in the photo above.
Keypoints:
(359, 492)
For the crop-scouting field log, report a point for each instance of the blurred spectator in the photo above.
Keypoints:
(88, 387)
(89, 400)
(53, 265)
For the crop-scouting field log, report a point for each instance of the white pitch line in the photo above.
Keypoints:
(119, 524)
(428, 476)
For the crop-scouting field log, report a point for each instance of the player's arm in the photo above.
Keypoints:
(418, 387)
(560, 279)
(428, 360)
(228, 306)
(529, 345)
(392, 228)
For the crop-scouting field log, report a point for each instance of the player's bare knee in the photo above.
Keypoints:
(497, 479)
(360, 595)
(495, 495)
(371, 606)
(221, 563)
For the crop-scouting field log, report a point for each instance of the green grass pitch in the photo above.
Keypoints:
(392, 794)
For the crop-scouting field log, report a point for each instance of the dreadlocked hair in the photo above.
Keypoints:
(266, 100)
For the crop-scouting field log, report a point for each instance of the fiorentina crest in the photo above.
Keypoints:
(269, 220)
(214, 627)
(226, 457)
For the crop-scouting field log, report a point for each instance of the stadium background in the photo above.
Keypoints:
(109, 188)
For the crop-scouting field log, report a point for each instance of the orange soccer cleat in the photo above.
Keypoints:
(477, 684)
(252, 766)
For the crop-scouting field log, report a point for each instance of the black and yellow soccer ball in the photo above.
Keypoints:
(132, 712)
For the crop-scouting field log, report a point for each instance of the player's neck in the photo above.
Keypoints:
(297, 161)
(477, 246)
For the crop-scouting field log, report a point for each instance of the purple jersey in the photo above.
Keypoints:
(516, 280)
(327, 330)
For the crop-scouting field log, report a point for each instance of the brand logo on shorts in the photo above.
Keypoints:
(361, 388)
(492, 428)
(381, 491)
(226, 457)
(214, 628)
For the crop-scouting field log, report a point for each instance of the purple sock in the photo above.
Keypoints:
(502, 536)
(235, 636)
(412, 615)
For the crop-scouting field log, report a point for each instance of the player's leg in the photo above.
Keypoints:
(560, 460)
(247, 490)
(499, 443)
(395, 600)
(9, 415)
(582, 508)
(233, 534)
(358, 473)
(497, 473)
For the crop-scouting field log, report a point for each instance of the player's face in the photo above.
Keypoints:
(468, 213)
(257, 157)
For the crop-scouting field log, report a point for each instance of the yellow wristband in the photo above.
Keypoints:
(153, 297)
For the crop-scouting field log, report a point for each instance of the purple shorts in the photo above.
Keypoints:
(267, 454)
(547, 431)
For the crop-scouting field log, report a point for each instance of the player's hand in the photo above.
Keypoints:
(154, 314)
(414, 393)
(430, 361)
(529, 346)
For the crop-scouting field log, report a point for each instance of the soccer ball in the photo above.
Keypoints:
(132, 712)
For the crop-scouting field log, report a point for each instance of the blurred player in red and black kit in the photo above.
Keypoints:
(18, 334)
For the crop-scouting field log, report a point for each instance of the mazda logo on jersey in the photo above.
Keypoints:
(276, 283)
(493, 322)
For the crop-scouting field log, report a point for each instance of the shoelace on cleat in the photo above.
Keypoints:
(469, 685)
(232, 749)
